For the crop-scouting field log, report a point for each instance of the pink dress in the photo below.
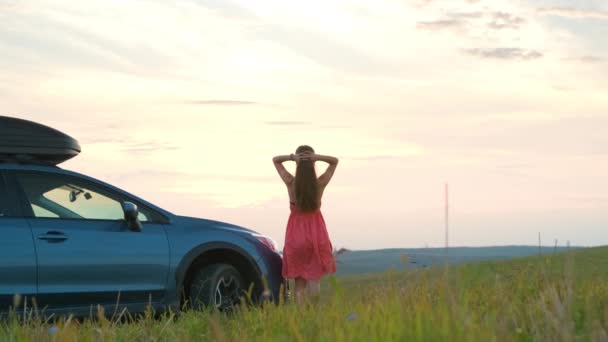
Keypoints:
(308, 252)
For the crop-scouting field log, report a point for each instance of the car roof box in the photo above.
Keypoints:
(29, 142)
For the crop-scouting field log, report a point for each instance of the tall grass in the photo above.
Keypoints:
(551, 298)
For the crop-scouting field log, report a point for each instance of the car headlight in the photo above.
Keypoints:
(268, 241)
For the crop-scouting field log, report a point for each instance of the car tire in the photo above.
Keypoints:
(216, 286)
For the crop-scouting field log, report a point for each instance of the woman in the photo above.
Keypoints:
(308, 252)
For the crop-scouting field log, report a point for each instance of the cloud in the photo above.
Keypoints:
(513, 166)
(310, 43)
(504, 20)
(113, 135)
(228, 10)
(563, 88)
(504, 53)
(223, 103)
(147, 147)
(190, 177)
(9, 5)
(573, 13)
(65, 43)
(422, 3)
(378, 158)
(452, 21)
(465, 15)
(288, 123)
(592, 200)
(459, 20)
(419, 3)
(587, 59)
(439, 25)
(325, 50)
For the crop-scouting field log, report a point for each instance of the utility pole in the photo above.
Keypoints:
(447, 212)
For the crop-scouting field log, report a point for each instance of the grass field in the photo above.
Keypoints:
(560, 297)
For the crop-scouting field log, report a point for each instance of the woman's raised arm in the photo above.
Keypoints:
(329, 173)
(278, 164)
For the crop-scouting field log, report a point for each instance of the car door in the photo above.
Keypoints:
(17, 254)
(86, 253)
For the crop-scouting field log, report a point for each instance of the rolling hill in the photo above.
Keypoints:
(381, 260)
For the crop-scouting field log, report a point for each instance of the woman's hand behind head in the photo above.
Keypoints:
(304, 156)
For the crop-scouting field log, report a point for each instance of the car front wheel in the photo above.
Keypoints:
(218, 286)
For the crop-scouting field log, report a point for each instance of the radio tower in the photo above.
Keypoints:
(446, 219)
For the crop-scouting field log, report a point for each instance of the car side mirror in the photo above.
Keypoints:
(131, 216)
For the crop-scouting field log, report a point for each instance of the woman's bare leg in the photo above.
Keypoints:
(300, 290)
(314, 289)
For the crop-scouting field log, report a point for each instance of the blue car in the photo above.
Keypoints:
(70, 242)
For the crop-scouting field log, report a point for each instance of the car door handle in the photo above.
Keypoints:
(53, 236)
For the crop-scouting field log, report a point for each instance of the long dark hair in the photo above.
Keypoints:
(306, 184)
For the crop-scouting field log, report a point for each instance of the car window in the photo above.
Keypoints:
(4, 200)
(59, 196)
(41, 212)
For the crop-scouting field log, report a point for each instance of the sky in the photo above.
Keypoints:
(184, 103)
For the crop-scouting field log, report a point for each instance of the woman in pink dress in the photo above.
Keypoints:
(308, 252)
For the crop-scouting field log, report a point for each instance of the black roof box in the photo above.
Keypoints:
(29, 142)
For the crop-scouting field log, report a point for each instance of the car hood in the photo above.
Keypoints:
(211, 224)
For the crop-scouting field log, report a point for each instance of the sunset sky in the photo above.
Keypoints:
(185, 103)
